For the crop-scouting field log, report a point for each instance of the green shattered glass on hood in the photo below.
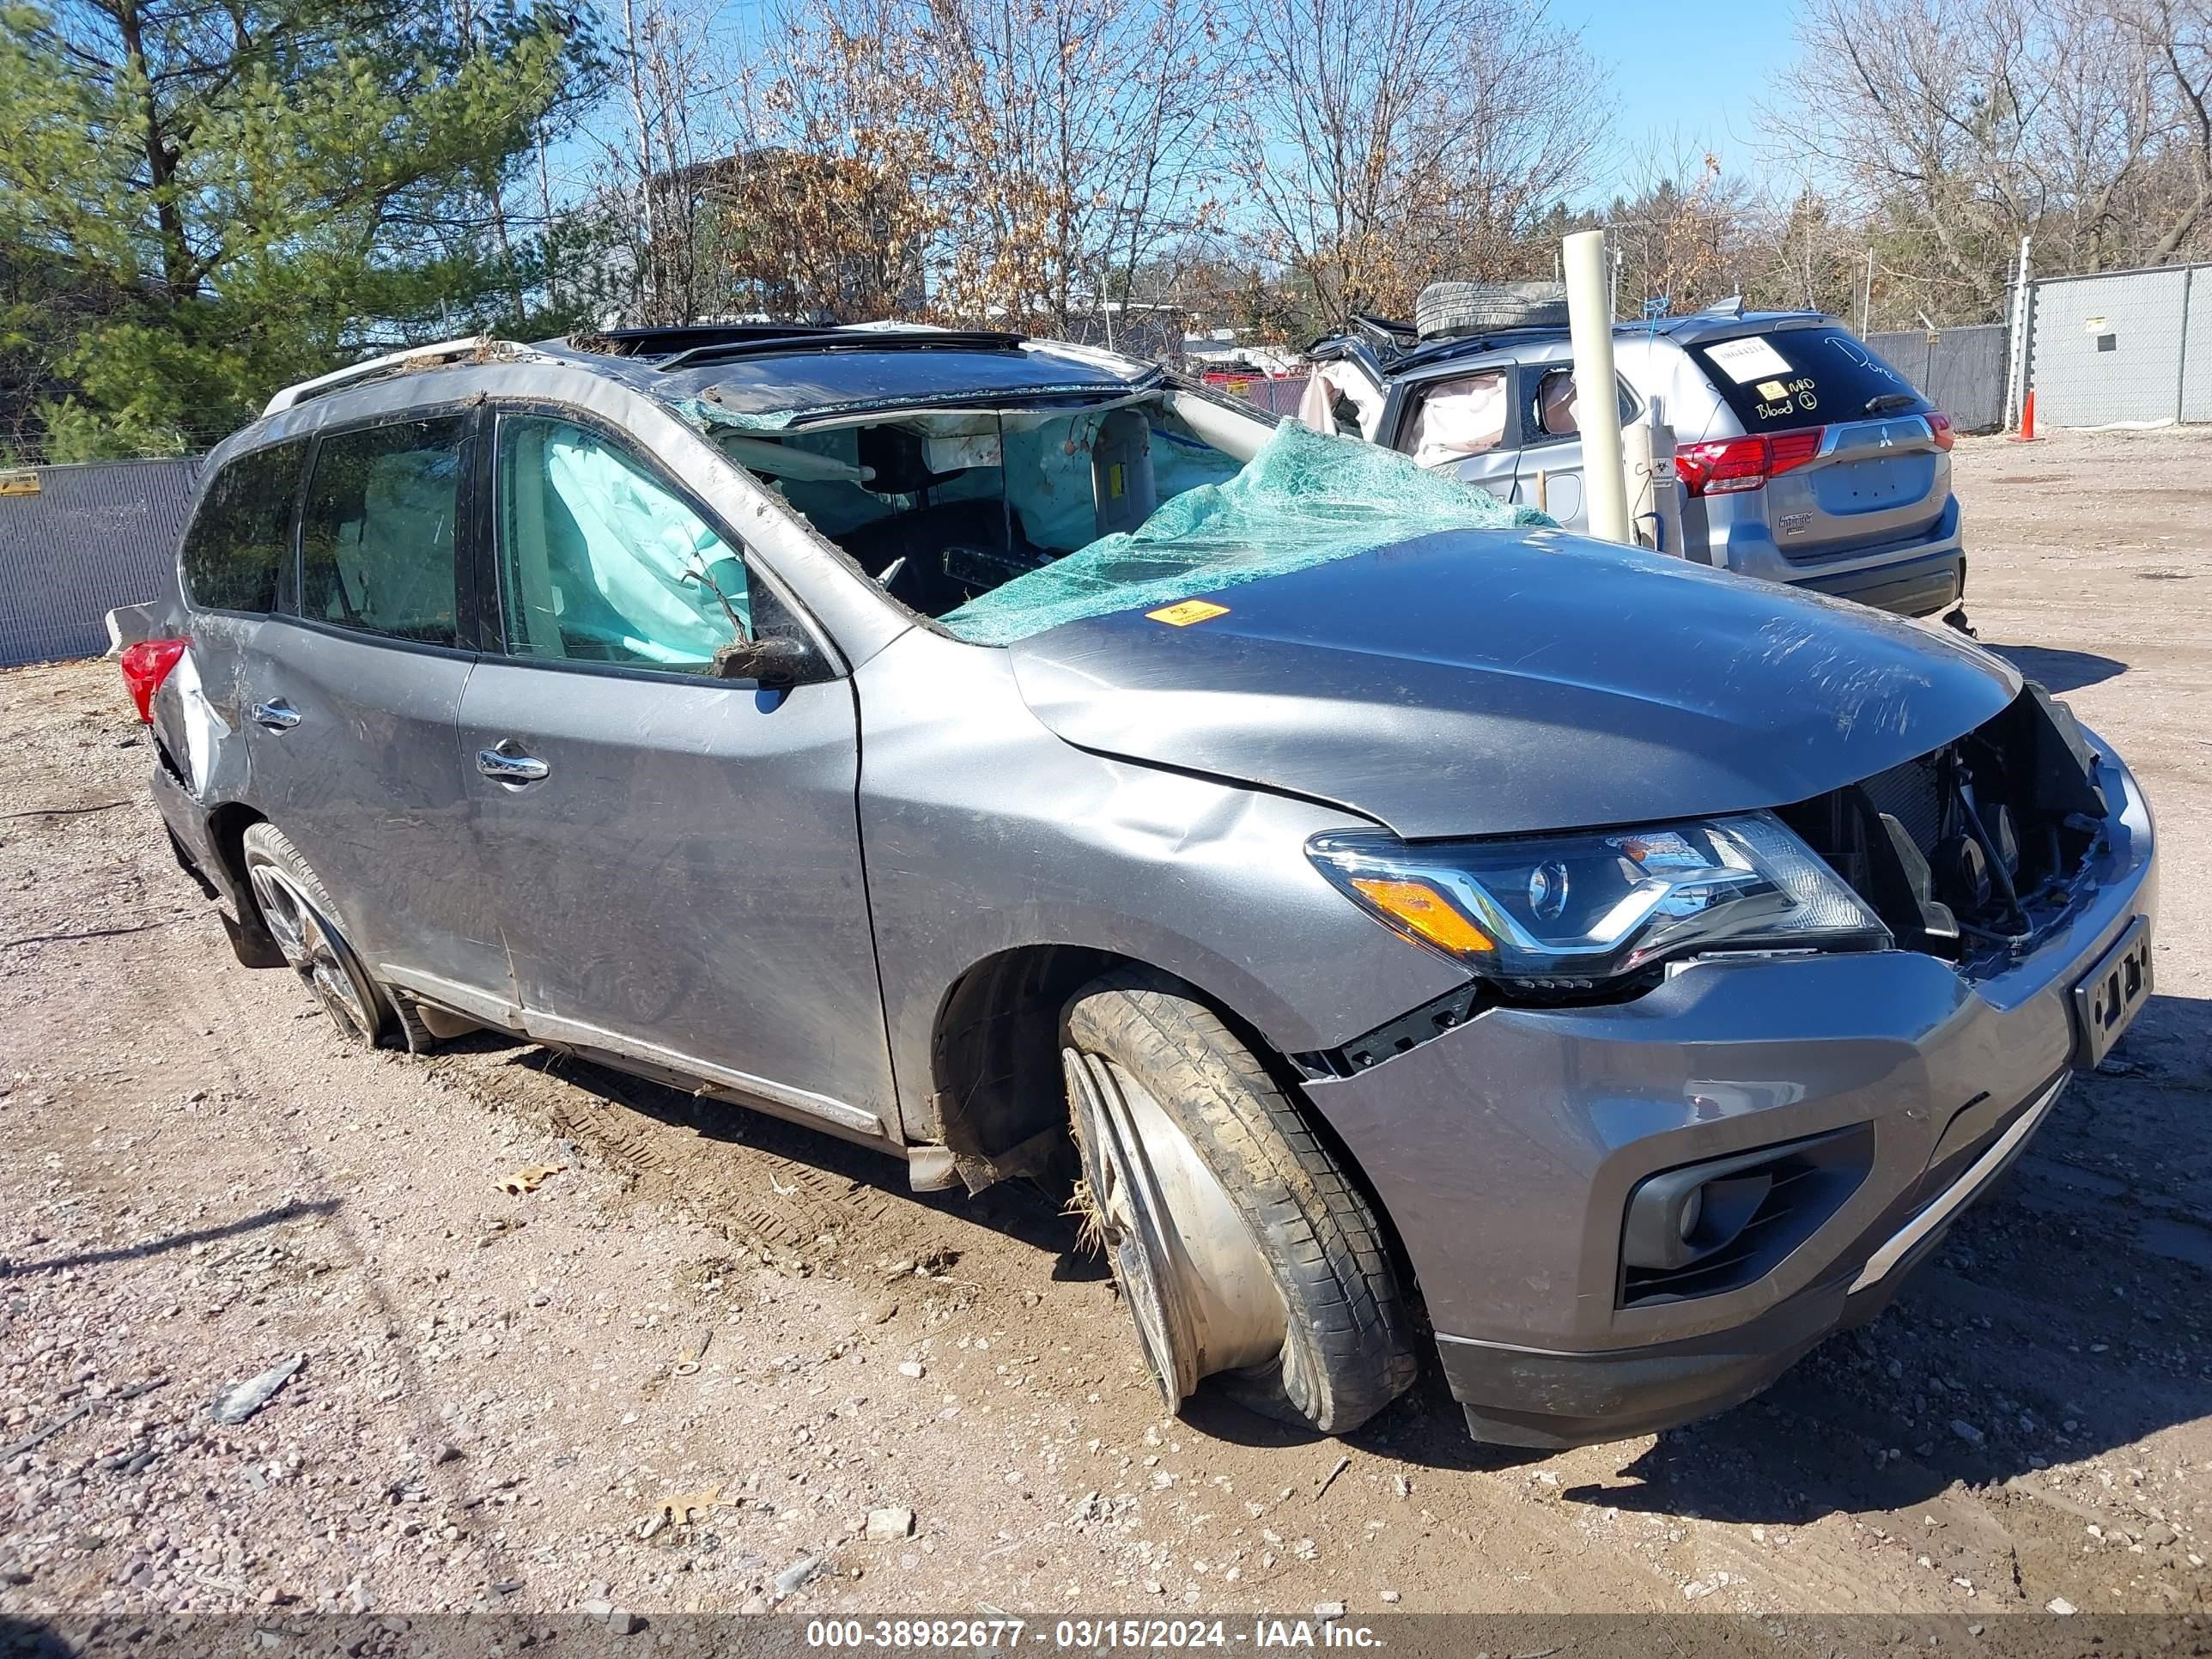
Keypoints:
(1305, 499)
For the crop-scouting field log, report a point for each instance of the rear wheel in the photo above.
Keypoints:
(1239, 1243)
(301, 918)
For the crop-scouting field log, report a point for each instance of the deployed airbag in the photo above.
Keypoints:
(1305, 499)
(633, 570)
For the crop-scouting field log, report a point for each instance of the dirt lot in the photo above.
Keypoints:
(738, 1338)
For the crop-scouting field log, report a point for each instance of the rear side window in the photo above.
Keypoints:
(1554, 411)
(242, 533)
(378, 533)
(1801, 376)
(1457, 418)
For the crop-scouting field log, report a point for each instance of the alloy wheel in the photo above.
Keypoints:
(1183, 1255)
(317, 951)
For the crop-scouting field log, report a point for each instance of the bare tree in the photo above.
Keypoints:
(1683, 235)
(2178, 39)
(1956, 127)
(669, 63)
(1041, 157)
(1920, 109)
(1390, 142)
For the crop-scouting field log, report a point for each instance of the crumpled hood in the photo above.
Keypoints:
(1486, 683)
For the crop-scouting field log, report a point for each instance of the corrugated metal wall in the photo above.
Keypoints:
(92, 538)
(2117, 348)
(1960, 370)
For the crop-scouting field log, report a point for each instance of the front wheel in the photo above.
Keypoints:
(1237, 1239)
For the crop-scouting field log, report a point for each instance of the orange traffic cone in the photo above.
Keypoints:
(2026, 433)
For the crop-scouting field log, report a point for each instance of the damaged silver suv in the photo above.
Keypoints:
(1435, 929)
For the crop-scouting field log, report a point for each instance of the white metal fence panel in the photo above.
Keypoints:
(87, 539)
(2196, 348)
(2108, 349)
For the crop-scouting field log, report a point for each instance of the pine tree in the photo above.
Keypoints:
(264, 188)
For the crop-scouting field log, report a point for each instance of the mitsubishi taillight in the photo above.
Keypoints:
(1723, 466)
(145, 666)
(1939, 428)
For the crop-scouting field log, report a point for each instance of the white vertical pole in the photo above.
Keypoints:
(2016, 364)
(1597, 398)
(2181, 352)
(1866, 296)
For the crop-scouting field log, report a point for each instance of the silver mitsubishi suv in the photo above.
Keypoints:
(1408, 927)
(1803, 458)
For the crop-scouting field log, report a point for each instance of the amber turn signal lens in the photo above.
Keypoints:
(1419, 909)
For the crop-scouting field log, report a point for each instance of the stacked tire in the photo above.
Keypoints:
(1446, 310)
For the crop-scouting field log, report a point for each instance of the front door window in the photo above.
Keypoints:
(600, 561)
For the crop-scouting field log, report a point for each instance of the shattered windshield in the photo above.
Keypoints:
(1001, 524)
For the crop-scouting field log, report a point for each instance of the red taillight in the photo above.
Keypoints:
(1939, 428)
(145, 666)
(1723, 466)
(1793, 448)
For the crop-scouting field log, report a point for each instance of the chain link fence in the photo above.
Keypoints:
(2130, 348)
(77, 541)
(1959, 370)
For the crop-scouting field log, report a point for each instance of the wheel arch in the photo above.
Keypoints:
(998, 1100)
(249, 935)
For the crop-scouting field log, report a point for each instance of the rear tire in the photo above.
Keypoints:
(302, 918)
(1240, 1244)
(1446, 309)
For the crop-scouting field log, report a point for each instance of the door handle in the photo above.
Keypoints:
(506, 764)
(276, 715)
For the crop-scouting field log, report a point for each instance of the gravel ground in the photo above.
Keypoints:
(683, 1371)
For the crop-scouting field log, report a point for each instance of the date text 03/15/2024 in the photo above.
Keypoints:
(1266, 1635)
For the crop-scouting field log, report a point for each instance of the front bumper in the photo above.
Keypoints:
(1529, 1396)
(1506, 1150)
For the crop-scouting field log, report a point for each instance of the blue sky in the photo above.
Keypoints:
(1683, 80)
(1698, 71)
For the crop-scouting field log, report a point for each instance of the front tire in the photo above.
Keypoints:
(301, 917)
(1240, 1246)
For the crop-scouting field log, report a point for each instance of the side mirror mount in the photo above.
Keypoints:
(776, 662)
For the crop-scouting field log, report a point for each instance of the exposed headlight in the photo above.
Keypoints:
(1578, 908)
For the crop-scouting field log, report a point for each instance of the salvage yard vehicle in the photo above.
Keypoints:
(1437, 930)
(1803, 457)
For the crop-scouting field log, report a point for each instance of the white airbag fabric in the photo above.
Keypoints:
(638, 543)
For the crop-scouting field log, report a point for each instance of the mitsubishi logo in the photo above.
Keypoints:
(1887, 441)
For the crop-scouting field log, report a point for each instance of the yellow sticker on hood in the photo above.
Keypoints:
(1188, 611)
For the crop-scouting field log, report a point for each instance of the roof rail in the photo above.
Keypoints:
(421, 357)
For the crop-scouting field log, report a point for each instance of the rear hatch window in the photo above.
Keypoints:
(1786, 379)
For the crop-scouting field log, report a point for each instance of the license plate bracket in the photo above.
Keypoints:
(2109, 996)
